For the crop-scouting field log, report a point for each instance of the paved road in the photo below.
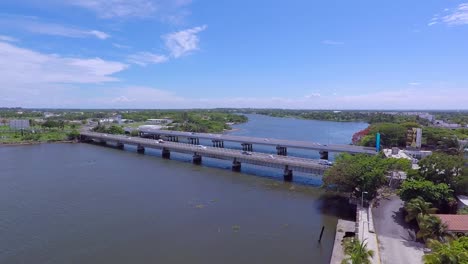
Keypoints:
(256, 158)
(265, 141)
(396, 239)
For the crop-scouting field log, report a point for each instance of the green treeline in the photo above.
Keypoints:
(191, 121)
(433, 138)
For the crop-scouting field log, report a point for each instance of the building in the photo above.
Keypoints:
(19, 123)
(462, 201)
(456, 224)
(160, 121)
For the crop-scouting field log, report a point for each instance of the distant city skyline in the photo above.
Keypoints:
(177, 54)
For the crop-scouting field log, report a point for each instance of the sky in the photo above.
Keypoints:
(297, 54)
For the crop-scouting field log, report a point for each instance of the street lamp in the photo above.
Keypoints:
(362, 198)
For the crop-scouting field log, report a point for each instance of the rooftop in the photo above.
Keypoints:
(455, 223)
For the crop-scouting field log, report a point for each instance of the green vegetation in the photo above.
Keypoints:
(463, 211)
(12, 137)
(417, 207)
(439, 195)
(113, 129)
(438, 179)
(356, 251)
(442, 168)
(339, 116)
(453, 252)
(431, 227)
(394, 135)
(357, 173)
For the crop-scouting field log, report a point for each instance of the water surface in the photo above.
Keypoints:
(81, 203)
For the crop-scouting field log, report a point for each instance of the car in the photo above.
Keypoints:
(325, 162)
(160, 141)
(246, 153)
(201, 147)
(266, 139)
(271, 156)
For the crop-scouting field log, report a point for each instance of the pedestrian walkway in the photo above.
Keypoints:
(343, 228)
(366, 232)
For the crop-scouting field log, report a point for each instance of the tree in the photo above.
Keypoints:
(115, 130)
(356, 174)
(431, 227)
(357, 252)
(416, 207)
(442, 168)
(453, 252)
(436, 194)
(134, 133)
(74, 134)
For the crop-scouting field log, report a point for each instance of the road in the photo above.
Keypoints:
(256, 158)
(265, 141)
(396, 239)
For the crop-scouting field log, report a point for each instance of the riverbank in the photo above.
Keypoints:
(6, 144)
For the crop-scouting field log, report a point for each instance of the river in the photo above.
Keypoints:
(81, 203)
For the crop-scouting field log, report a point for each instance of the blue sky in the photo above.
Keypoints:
(205, 54)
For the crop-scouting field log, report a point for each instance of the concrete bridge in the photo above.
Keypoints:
(248, 142)
(286, 163)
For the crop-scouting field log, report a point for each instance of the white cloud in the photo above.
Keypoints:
(20, 66)
(117, 8)
(33, 25)
(183, 42)
(414, 83)
(7, 38)
(145, 58)
(332, 42)
(457, 16)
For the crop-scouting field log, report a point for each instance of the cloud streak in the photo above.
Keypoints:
(457, 16)
(145, 58)
(171, 11)
(7, 38)
(35, 26)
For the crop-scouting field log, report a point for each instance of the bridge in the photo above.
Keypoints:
(248, 142)
(287, 163)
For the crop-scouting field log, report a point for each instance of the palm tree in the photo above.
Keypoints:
(453, 252)
(432, 227)
(357, 252)
(417, 206)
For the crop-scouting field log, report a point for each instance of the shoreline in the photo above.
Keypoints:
(36, 143)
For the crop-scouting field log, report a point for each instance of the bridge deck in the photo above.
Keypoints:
(256, 158)
(265, 141)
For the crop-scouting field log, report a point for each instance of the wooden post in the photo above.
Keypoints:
(321, 233)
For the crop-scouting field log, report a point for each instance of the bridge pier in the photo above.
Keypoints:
(166, 153)
(218, 143)
(120, 145)
(236, 165)
(194, 141)
(323, 154)
(140, 149)
(282, 151)
(197, 159)
(173, 138)
(102, 142)
(288, 174)
(247, 147)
